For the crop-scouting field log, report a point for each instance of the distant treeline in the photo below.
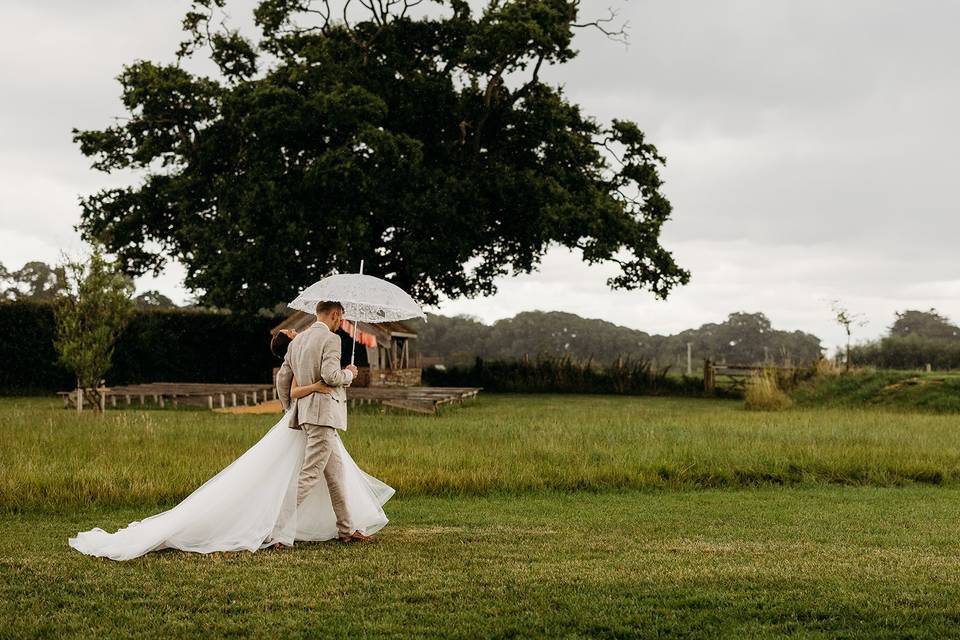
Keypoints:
(916, 339)
(744, 338)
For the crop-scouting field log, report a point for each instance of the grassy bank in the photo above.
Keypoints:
(54, 460)
(890, 390)
(818, 563)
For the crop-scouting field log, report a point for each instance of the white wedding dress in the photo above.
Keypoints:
(249, 505)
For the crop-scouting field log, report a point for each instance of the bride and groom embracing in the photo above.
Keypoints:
(297, 483)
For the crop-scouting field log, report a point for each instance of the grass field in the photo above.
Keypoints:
(519, 516)
(55, 460)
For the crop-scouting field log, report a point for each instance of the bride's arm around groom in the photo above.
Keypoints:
(314, 356)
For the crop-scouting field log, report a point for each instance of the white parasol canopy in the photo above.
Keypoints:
(364, 299)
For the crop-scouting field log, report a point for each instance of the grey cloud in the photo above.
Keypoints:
(810, 147)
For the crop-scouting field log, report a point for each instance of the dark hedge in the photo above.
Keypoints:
(548, 374)
(173, 345)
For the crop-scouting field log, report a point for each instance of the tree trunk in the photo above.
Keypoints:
(94, 396)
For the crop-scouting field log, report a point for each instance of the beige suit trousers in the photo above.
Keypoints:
(322, 459)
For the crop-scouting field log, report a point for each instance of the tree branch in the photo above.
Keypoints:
(607, 27)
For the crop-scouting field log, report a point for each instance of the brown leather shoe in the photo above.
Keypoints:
(356, 536)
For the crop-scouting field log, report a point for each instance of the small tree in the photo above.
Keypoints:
(90, 313)
(847, 320)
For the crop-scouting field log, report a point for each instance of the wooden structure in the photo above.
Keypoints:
(733, 375)
(201, 394)
(392, 360)
(262, 398)
(416, 399)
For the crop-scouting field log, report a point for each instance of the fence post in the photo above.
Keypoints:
(689, 358)
(79, 399)
(709, 380)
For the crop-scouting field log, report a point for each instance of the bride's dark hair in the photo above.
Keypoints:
(279, 344)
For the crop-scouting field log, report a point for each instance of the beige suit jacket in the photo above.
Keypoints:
(314, 356)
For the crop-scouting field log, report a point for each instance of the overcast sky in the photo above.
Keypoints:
(811, 150)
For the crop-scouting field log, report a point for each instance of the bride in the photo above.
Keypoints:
(251, 504)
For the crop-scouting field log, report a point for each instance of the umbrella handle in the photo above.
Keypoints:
(353, 343)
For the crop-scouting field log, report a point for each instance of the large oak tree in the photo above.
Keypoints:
(428, 146)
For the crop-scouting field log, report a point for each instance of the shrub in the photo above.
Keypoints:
(763, 393)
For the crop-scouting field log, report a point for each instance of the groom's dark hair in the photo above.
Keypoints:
(279, 344)
(327, 306)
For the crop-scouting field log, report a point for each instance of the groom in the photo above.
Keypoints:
(314, 356)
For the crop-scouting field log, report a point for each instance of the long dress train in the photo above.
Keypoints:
(249, 505)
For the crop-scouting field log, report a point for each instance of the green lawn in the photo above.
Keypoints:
(828, 562)
(520, 516)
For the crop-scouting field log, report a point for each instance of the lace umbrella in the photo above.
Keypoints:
(364, 299)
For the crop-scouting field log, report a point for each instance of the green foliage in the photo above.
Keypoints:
(36, 281)
(744, 338)
(924, 324)
(893, 390)
(420, 145)
(916, 339)
(165, 345)
(39, 282)
(90, 313)
(908, 352)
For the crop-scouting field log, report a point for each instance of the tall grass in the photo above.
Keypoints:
(52, 459)
(763, 392)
